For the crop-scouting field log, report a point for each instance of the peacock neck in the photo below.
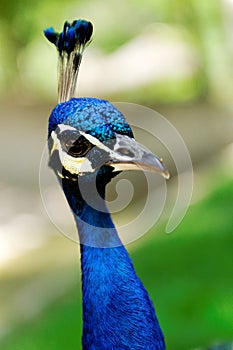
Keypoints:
(94, 223)
(117, 311)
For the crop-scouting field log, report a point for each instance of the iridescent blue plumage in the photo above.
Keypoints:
(97, 117)
(76, 33)
(117, 311)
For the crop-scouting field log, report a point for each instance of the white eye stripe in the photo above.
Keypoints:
(93, 140)
(62, 127)
(96, 142)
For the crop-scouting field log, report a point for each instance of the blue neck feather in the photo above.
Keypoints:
(117, 311)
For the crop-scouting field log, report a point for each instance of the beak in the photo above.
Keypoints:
(130, 155)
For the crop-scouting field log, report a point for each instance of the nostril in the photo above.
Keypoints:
(125, 152)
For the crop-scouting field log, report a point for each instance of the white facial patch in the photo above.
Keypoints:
(74, 165)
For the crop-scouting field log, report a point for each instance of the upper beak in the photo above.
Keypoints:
(130, 155)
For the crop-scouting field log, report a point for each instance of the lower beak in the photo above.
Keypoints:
(130, 155)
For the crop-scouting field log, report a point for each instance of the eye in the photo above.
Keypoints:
(74, 144)
(80, 147)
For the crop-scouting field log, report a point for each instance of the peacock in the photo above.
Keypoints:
(90, 142)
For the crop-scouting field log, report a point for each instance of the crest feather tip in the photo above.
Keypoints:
(70, 44)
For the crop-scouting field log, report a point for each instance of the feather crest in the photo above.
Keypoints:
(70, 44)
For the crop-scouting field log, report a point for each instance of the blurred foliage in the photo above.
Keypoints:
(116, 22)
(188, 275)
(169, 91)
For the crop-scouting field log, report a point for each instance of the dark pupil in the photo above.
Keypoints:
(75, 144)
(79, 147)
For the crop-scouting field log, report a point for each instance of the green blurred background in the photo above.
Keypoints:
(173, 56)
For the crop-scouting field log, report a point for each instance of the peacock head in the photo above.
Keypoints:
(89, 138)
